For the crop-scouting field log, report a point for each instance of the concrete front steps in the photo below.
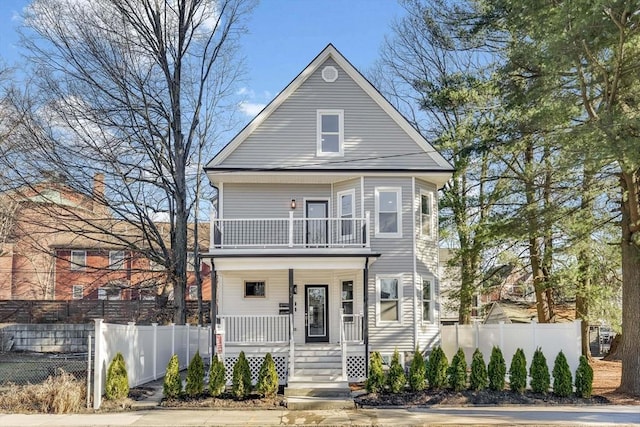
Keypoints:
(317, 382)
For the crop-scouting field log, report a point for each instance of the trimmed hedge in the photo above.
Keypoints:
(241, 383)
(417, 370)
(195, 376)
(268, 377)
(172, 384)
(117, 386)
(584, 378)
(518, 372)
(497, 369)
(437, 369)
(562, 381)
(539, 373)
(217, 377)
(457, 372)
(478, 379)
(396, 379)
(375, 380)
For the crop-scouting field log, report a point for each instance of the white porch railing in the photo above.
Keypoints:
(241, 329)
(352, 325)
(291, 233)
(343, 345)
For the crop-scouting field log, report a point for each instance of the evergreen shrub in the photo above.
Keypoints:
(268, 377)
(584, 378)
(117, 386)
(417, 381)
(496, 370)
(518, 372)
(195, 376)
(478, 379)
(437, 369)
(241, 382)
(562, 381)
(375, 379)
(458, 372)
(396, 380)
(539, 373)
(172, 385)
(217, 377)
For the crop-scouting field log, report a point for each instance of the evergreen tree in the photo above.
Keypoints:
(417, 381)
(437, 369)
(562, 381)
(195, 376)
(518, 372)
(375, 380)
(241, 383)
(497, 369)
(172, 384)
(539, 373)
(584, 378)
(217, 377)
(117, 386)
(268, 377)
(458, 372)
(396, 379)
(478, 379)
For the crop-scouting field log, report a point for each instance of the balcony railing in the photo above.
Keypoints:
(255, 329)
(291, 233)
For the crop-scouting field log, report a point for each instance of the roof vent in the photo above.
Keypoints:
(329, 74)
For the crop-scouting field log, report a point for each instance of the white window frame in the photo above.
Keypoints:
(244, 289)
(75, 289)
(429, 197)
(77, 265)
(398, 192)
(103, 294)
(429, 299)
(379, 320)
(339, 196)
(352, 300)
(193, 292)
(319, 133)
(117, 264)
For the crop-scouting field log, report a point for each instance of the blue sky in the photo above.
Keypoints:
(284, 36)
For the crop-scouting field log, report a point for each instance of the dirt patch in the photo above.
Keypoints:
(226, 400)
(606, 380)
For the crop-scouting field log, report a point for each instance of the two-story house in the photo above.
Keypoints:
(325, 245)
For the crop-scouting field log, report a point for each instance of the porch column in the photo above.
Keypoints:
(365, 319)
(214, 306)
(291, 297)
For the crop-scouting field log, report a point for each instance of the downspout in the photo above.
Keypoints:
(414, 253)
(365, 323)
(214, 306)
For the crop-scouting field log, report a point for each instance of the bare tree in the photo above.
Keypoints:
(124, 90)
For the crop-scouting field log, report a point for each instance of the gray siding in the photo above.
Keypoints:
(288, 137)
(351, 184)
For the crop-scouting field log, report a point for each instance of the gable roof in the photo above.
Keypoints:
(330, 52)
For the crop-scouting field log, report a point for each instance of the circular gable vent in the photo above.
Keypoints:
(329, 74)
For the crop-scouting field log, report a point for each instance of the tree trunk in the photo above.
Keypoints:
(630, 381)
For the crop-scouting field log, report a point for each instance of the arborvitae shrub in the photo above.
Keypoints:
(518, 372)
(562, 381)
(396, 379)
(217, 377)
(437, 369)
(417, 380)
(478, 379)
(268, 377)
(195, 376)
(539, 373)
(584, 378)
(375, 380)
(172, 385)
(496, 370)
(117, 386)
(458, 372)
(241, 386)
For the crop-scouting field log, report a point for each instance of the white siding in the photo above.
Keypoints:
(231, 292)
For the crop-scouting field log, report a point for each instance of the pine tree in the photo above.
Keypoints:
(539, 373)
(437, 369)
(375, 380)
(458, 372)
(117, 386)
(584, 378)
(417, 372)
(562, 381)
(217, 377)
(241, 386)
(518, 372)
(478, 379)
(268, 377)
(497, 369)
(195, 376)
(172, 385)
(396, 379)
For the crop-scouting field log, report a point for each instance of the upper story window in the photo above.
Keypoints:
(116, 260)
(106, 293)
(77, 292)
(388, 212)
(330, 133)
(78, 260)
(346, 209)
(426, 219)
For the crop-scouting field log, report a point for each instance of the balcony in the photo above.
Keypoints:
(283, 233)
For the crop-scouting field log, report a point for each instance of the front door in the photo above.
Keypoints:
(317, 230)
(316, 313)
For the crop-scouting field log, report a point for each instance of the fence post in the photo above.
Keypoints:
(457, 338)
(173, 339)
(89, 371)
(188, 342)
(155, 350)
(98, 359)
(534, 328)
(477, 336)
(501, 335)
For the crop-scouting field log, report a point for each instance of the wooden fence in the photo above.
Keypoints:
(84, 311)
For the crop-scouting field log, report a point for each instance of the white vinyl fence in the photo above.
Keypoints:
(550, 337)
(146, 350)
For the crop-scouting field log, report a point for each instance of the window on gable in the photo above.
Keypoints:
(426, 220)
(330, 133)
(116, 260)
(388, 213)
(254, 289)
(388, 299)
(77, 292)
(345, 213)
(426, 300)
(78, 260)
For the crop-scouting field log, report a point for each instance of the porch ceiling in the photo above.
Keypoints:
(230, 260)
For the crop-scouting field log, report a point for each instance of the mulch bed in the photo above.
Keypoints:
(226, 400)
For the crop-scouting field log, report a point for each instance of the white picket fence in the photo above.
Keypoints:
(146, 350)
(550, 337)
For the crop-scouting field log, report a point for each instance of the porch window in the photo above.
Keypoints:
(254, 289)
(347, 299)
(330, 128)
(77, 292)
(388, 299)
(388, 213)
(345, 212)
(78, 260)
(116, 260)
(426, 300)
(425, 214)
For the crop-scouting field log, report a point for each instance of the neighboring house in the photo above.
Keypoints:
(49, 252)
(327, 204)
